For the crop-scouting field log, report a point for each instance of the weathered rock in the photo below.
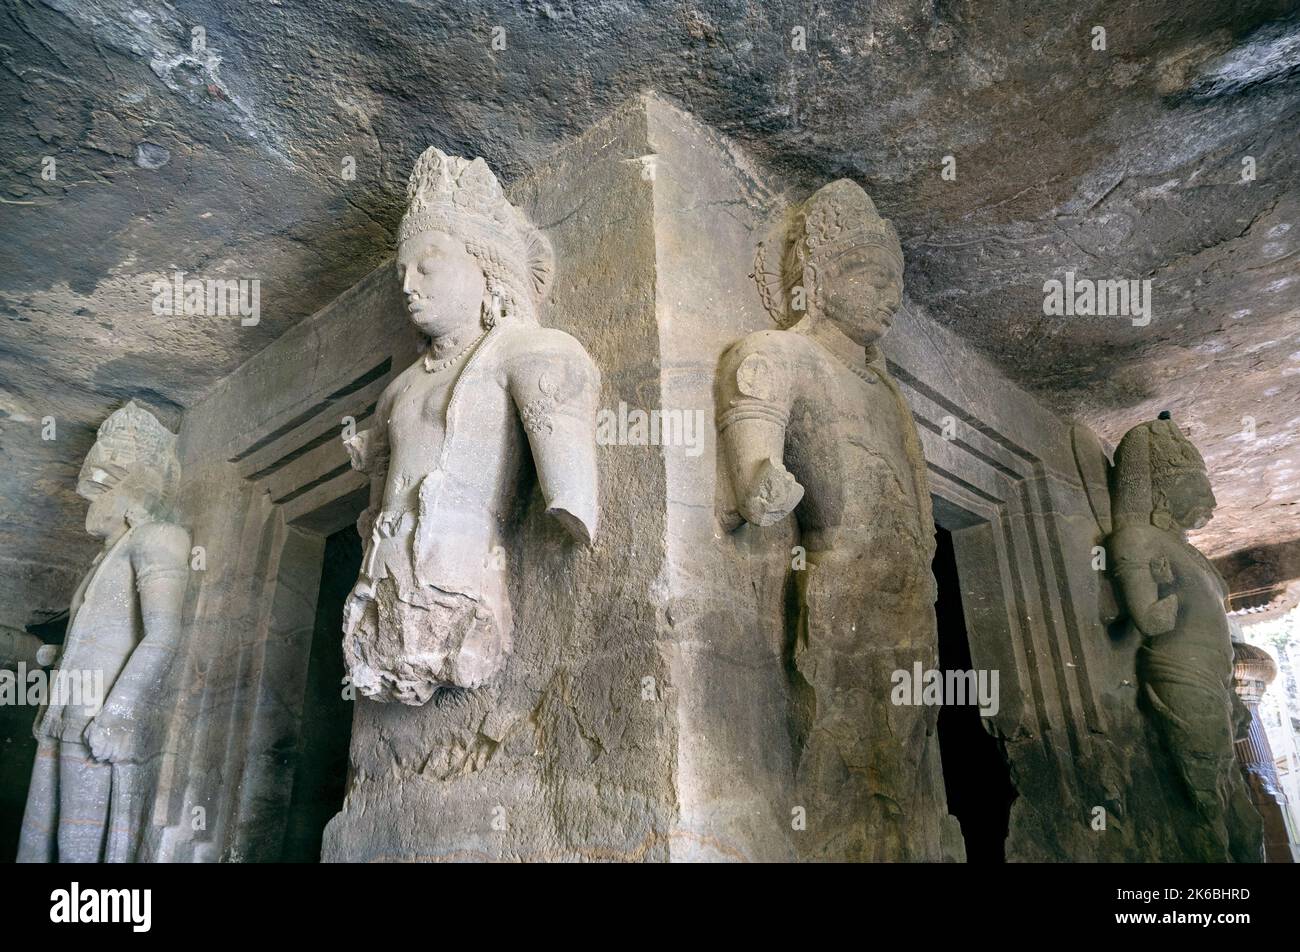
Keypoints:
(445, 456)
(1174, 597)
(92, 784)
(653, 706)
(818, 399)
(1123, 162)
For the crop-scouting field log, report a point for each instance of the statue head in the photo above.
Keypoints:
(1160, 477)
(131, 474)
(466, 257)
(840, 260)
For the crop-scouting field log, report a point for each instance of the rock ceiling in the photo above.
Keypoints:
(226, 158)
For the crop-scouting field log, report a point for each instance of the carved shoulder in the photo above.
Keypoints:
(368, 448)
(1135, 544)
(776, 344)
(384, 405)
(160, 544)
(761, 366)
(542, 363)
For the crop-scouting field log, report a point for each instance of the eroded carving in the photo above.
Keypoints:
(430, 609)
(1174, 597)
(88, 798)
(21, 648)
(812, 423)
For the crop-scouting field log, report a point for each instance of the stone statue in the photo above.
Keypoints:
(430, 609)
(18, 647)
(1174, 597)
(812, 423)
(87, 801)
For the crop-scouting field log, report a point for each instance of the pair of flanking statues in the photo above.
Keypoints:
(811, 425)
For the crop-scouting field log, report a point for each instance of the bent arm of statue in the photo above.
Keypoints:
(1140, 590)
(555, 387)
(754, 401)
(160, 558)
(368, 451)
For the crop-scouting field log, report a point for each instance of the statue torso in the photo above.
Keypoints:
(104, 627)
(1200, 637)
(850, 442)
(1202, 625)
(417, 419)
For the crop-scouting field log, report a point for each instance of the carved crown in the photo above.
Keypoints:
(1148, 460)
(842, 215)
(463, 198)
(138, 455)
(133, 433)
(837, 217)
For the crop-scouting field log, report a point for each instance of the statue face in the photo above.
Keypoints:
(1190, 499)
(106, 517)
(861, 289)
(443, 284)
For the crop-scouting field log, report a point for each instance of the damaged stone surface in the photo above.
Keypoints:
(99, 733)
(818, 398)
(1172, 595)
(655, 706)
(225, 154)
(445, 455)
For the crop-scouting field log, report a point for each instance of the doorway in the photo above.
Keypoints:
(320, 774)
(976, 775)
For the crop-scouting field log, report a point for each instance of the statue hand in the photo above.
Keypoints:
(366, 525)
(109, 737)
(774, 494)
(48, 724)
(358, 447)
(1163, 615)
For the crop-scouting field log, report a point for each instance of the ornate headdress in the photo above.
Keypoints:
(837, 217)
(463, 198)
(135, 453)
(1147, 461)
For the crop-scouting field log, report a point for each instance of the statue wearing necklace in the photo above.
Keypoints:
(447, 453)
(811, 423)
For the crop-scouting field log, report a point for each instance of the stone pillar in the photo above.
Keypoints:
(571, 754)
(644, 712)
(1253, 670)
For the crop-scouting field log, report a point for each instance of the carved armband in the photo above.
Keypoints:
(555, 387)
(761, 393)
(154, 577)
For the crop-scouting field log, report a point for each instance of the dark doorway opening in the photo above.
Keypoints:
(18, 749)
(976, 776)
(320, 776)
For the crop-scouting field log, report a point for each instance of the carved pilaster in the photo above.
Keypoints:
(1253, 670)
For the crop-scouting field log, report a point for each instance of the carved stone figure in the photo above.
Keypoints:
(87, 801)
(430, 609)
(812, 423)
(21, 648)
(1174, 597)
